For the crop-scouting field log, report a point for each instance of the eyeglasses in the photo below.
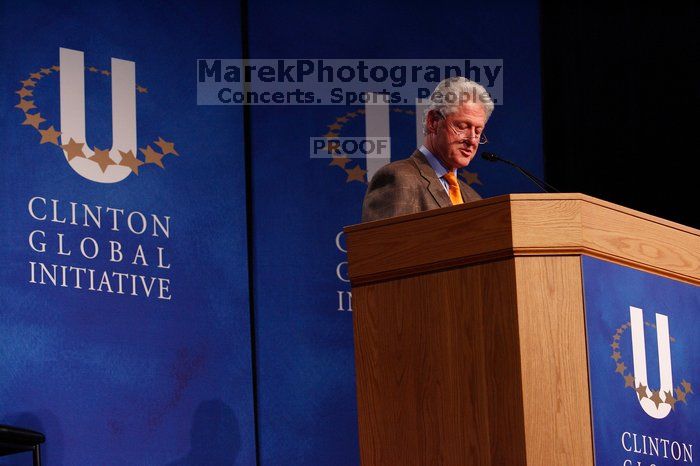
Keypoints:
(464, 133)
(481, 137)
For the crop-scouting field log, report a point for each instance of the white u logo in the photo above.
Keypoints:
(640, 362)
(72, 85)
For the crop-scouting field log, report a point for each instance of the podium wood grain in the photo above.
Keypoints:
(520, 225)
(442, 370)
(436, 361)
(553, 369)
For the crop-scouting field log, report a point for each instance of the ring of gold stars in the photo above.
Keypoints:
(355, 171)
(74, 148)
(680, 393)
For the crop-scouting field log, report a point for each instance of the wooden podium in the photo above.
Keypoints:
(470, 339)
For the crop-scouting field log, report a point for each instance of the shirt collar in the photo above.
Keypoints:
(440, 170)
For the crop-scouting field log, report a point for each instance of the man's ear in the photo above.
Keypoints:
(432, 120)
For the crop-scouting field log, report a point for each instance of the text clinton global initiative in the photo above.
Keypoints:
(76, 235)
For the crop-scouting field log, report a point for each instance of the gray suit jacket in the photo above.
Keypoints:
(406, 187)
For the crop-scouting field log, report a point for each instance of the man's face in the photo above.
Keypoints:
(454, 139)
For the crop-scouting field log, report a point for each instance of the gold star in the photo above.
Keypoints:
(102, 159)
(28, 83)
(355, 174)
(687, 387)
(25, 105)
(341, 119)
(670, 400)
(73, 149)
(616, 337)
(629, 381)
(49, 135)
(641, 391)
(330, 134)
(33, 119)
(45, 70)
(141, 89)
(55, 68)
(619, 331)
(616, 355)
(615, 345)
(24, 92)
(621, 368)
(656, 398)
(339, 161)
(471, 178)
(152, 156)
(680, 395)
(166, 147)
(130, 160)
(36, 75)
(334, 126)
(105, 72)
(92, 69)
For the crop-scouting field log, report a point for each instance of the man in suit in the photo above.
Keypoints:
(453, 126)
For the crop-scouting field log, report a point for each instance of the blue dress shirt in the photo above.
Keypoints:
(440, 170)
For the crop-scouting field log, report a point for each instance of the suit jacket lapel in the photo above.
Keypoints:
(463, 191)
(433, 183)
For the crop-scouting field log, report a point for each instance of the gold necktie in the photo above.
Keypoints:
(455, 193)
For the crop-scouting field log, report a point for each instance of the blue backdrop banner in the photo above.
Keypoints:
(644, 362)
(124, 318)
(301, 201)
(124, 310)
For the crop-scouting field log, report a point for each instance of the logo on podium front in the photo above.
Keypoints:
(644, 354)
(657, 400)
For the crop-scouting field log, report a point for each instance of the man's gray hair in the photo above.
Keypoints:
(452, 92)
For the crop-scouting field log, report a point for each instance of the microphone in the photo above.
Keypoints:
(491, 157)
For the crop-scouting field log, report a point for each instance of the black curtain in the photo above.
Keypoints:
(620, 100)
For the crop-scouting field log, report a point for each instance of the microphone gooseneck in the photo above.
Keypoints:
(544, 186)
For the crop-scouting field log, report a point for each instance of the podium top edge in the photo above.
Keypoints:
(519, 197)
